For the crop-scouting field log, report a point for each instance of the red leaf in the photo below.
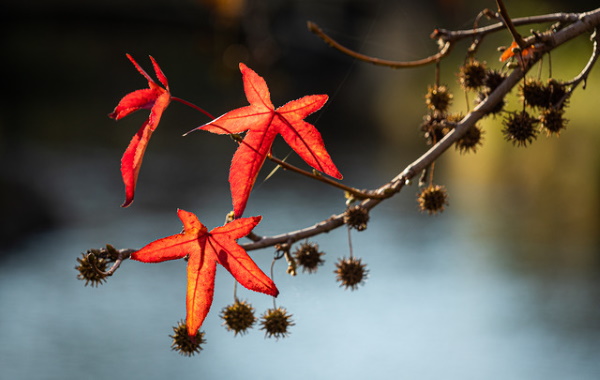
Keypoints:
(156, 99)
(204, 250)
(263, 123)
(510, 52)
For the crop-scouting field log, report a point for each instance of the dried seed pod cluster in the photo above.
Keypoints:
(438, 99)
(491, 80)
(434, 128)
(309, 257)
(471, 75)
(238, 317)
(351, 272)
(520, 128)
(93, 264)
(549, 95)
(356, 217)
(470, 140)
(433, 199)
(276, 322)
(552, 121)
(184, 343)
(550, 99)
(91, 267)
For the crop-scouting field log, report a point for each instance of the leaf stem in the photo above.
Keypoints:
(359, 194)
(189, 104)
(350, 243)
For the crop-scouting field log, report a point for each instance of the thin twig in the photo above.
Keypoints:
(582, 77)
(509, 24)
(443, 51)
(456, 35)
(122, 254)
(585, 72)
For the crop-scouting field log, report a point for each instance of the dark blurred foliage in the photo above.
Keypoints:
(64, 59)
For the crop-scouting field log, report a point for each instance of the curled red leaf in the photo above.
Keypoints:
(156, 99)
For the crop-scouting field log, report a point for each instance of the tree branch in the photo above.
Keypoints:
(582, 23)
(586, 22)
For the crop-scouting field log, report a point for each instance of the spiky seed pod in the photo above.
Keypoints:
(534, 93)
(351, 272)
(433, 199)
(557, 91)
(537, 94)
(438, 126)
(276, 322)
(90, 268)
(434, 128)
(472, 75)
(185, 344)
(438, 98)
(308, 257)
(520, 128)
(470, 140)
(238, 317)
(552, 121)
(357, 217)
(493, 79)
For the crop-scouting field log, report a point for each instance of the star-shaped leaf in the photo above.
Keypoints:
(156, 99)
(204, 250)
(263, 123)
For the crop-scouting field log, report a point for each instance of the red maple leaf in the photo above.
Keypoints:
(263, 123)
(204, 250)
(156, 99)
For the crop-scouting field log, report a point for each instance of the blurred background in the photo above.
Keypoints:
(504, 284)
